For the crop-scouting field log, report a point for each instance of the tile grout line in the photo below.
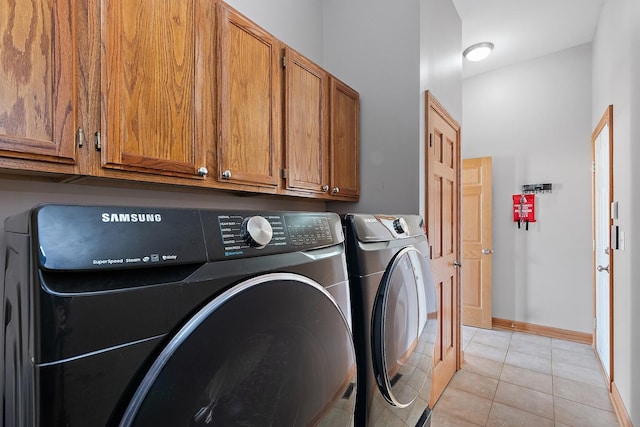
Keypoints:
(493, 400)
(518, 385)
(553, 352)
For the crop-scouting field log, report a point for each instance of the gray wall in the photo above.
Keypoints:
(616, 71)
(534, 120)
(440, 57)
(298, 23)
(374, 46)
(440, 67)
(391, 54)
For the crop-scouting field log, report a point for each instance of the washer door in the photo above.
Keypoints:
(272, 351)
(402, 336)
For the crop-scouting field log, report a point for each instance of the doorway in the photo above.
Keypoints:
(476, 243)
(602, 152)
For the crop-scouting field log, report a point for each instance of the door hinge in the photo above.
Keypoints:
(284, 61)
(595, 323)
(284, 173)
(80, 137)
(430, 140)
(593, 167)
(98, 142)
(430, 252)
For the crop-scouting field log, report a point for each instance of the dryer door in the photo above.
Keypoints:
(404, 329)
(273, 350)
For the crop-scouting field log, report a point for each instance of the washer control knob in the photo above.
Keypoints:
(400, 225)
(256, 231)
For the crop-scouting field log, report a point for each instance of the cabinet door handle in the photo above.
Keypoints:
(226, 174)
(80, 137)
(335, 190)
(98, 142)
(203, 171)
(325, 188)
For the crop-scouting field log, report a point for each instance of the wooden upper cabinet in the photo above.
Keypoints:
(249, 97)
(170, 91)
(306, 124)
(344, 141)
(38, 110)
(158, 80)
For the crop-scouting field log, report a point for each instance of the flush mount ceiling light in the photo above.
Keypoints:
(478, 51)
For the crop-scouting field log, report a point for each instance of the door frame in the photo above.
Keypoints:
(606, 119)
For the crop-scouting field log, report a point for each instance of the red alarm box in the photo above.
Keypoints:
(524, 208)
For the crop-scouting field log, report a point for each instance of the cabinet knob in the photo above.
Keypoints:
(226, 174)
(325, 188)
(203, 171)
(335, 190)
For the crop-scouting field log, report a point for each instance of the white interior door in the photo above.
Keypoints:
(602, 243)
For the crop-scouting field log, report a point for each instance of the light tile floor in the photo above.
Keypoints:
(517, 379)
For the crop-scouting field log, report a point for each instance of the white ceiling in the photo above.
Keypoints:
(524, 29)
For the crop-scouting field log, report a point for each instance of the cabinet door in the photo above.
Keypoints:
(344, 141)
(306, 124)
(157, 84)
(250, 143)
(37, 64)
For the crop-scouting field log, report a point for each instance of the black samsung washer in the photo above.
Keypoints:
(176, 317)
(394, 318)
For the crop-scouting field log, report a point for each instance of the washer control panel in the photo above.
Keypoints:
(87, 238)
(250, 234)
(241, 232)
(304, 231)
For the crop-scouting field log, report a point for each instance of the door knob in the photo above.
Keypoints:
(457, 264)
(601, 268)
(487, 251)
